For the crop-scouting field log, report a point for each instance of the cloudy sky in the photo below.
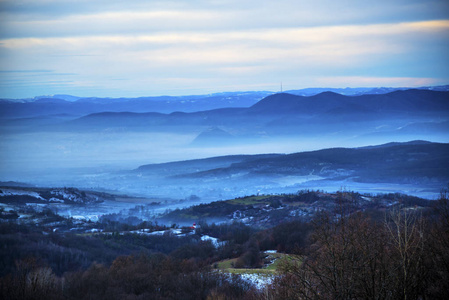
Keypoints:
(145, 48)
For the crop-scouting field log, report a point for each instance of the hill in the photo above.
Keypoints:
(416, 167)
(266, 211)
(393, 161)
(215, 135)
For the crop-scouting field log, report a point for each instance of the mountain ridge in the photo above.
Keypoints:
(285, 114)
(38, 106)
(287, 103)
(361, 159)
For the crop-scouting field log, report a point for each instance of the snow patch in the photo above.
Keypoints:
(11, 192)
(216, 242)
(259, 281)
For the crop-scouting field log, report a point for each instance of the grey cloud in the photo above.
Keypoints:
(26, 71)
(173, 46)
(60, 18)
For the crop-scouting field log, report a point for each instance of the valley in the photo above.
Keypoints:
(165, 154)
(212, 150)
(235, 200)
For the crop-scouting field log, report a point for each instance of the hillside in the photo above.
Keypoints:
(258, 243)
(394, 162)
(418, 168)
(266, 211)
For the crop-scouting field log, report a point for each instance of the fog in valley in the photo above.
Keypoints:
(105, 151)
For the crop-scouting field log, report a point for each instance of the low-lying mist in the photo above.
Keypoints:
(101, 159)
(105, 150)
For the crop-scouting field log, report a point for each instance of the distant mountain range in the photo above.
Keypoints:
(65, 104)
(79, 106)
(362, 91)
(409, 114)
(400, 112)
(409, 101)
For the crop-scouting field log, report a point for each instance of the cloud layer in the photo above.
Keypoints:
(116, 48)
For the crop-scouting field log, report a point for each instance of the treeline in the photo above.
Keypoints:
(340, 255)
(406, 256)
(64, 252)
(156, 276)
(39, 265)
(115, 266)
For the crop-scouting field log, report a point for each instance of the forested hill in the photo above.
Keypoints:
(393, 162)
(264, 245)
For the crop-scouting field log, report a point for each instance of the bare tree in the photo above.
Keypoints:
(405, 229)
(347, 260)
(438, 246)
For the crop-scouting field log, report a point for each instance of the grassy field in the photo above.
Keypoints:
(274, 259)
(249, 200)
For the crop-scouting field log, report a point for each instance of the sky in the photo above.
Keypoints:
(109, 48)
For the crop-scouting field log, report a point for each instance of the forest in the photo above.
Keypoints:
(396, 252)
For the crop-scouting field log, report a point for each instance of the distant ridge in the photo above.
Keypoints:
(406, 112)
(417, 142)
(392, 162)
(43, 105)
(195, 165)
(363, 90)
(57, 104)
(409, 100)
(213, 136)
(14, 184)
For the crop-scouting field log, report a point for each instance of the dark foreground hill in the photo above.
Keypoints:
(269, 246)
